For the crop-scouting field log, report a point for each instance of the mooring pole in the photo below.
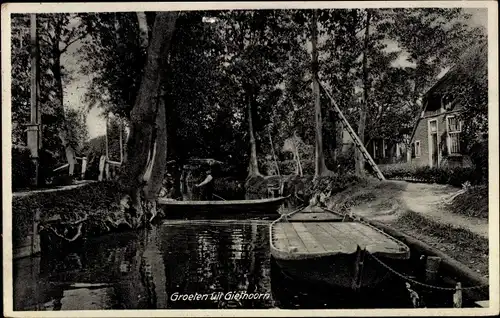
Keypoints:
(33, 136)
(432, 268)
(457, 296)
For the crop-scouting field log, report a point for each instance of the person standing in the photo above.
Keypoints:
(207, 186)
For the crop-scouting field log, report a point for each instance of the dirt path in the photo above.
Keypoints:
(428, 200)
(425, 199)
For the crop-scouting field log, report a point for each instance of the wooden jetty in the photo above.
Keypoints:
(267, 206)
(315, 245)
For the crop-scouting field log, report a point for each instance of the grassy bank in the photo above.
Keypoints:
(466, 247)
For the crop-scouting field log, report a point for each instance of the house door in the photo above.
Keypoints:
(433, 144)
(434, 150)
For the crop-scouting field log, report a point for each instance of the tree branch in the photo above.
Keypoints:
(77, 235)
(73, 41)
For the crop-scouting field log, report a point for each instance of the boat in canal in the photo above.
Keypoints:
(323, 247)
(265, 206)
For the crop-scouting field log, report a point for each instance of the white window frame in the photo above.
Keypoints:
(418, 149)
(429, 140)
(448, 134)
(446, 106)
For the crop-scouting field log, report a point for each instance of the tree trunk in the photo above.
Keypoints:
(143, 28)
(299, 164)
(335, 142)
(274, 154)
(360, 161)
(143, 170)
(320, 167)
(253, 166)
(64, 133)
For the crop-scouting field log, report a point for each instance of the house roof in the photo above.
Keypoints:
(472, 64)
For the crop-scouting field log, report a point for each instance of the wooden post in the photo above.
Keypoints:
(35, 238)
(84, 167)
(457, 296)
(358, 270)
(102, 163)
(106, 170)
(33, 137)
(432, 268)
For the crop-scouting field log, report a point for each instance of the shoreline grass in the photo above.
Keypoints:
(473, 203)
(461, 244)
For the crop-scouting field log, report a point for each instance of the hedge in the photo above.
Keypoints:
(453, 176)
(22, 167)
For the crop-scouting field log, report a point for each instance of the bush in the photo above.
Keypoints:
(288, 167)
(452, 176)
(256, 187)
(335, 183)
(22, 167)
(345, 161)
(474, 202)
(229, 188)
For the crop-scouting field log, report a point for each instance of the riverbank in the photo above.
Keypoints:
(67, 214)
(427, 212)
(435, 214)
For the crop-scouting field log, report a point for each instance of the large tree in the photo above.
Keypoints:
(142, 173)
(257, 44)
(59, 33)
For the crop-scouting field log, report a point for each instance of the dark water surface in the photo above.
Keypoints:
(220, 263)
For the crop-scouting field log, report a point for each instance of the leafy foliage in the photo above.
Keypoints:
(56, 32)
(262, 56)
(113, 57)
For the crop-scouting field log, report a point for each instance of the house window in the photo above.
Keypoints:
(433, 126)
(447, 101)
(454, 128)
(417, 149)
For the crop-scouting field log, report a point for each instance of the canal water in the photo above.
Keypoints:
(189, 264)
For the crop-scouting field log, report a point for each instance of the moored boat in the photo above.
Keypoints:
(322, 247)
(267, 206)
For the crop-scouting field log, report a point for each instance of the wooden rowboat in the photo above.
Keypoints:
(321, 247)
(267, 206)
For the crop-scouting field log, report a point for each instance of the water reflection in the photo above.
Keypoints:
(227, 257)
(144, 269)
(218, 262)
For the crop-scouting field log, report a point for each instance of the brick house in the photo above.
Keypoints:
(436, 138)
